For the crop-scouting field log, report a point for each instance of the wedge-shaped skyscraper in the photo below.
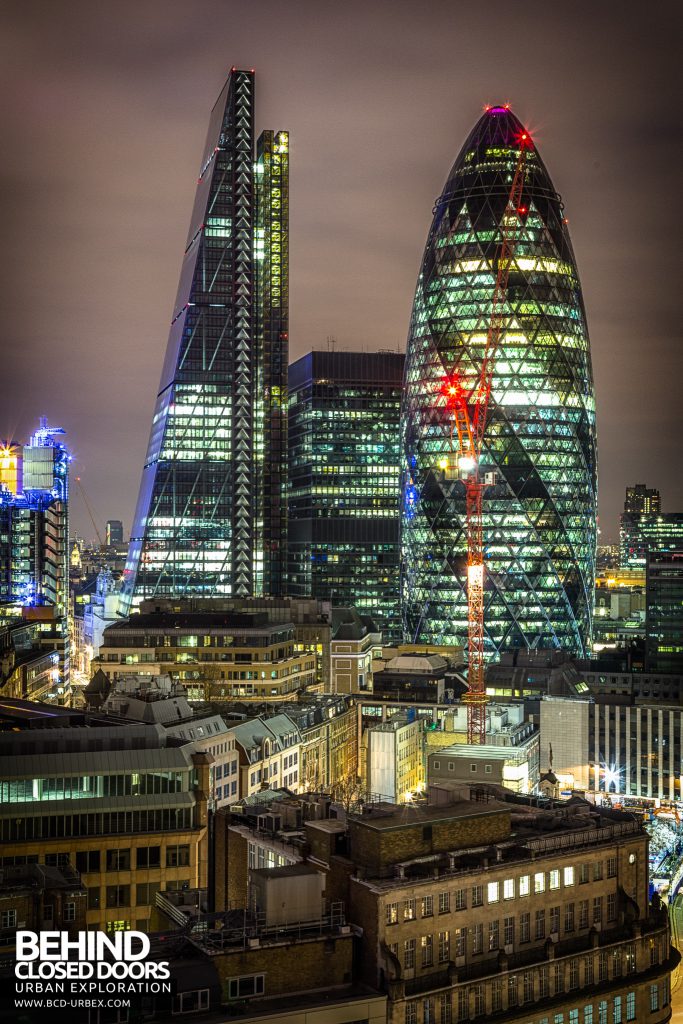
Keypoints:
(539, 452)
(211, 515)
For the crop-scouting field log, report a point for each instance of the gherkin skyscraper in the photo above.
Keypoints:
(539, 450)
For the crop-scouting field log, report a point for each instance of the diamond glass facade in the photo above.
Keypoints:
(539, 451)
(210, 518)
(344, 469)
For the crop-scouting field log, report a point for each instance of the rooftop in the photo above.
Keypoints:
(286, 871)
(198, 620)
(385, 817)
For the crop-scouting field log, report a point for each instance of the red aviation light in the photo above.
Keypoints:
(452, 390)
(522, 209)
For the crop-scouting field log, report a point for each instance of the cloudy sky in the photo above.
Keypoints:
(104, 108)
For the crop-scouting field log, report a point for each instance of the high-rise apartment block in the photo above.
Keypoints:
(640, 499)
(211, 514)
(539, 447)
(344, 412)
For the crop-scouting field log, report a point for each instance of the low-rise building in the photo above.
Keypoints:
(492, 907)
(311, 618)
(329, 739)
(629, 748)
(531, 673)
(159, 701)
(489, 905)
(269, 754)
(412, 677)
(29, 662)
(37, 897)
(124, 804)
(355, 642)
(392, 760)
(219, 656)
(510, 756)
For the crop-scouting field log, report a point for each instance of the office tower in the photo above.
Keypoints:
(664, 611)
(640, 498)
(35, 524)
(211, 512)
(539, 450)
(648, 532)
(114, 533)
(343, 481)
(34, 543)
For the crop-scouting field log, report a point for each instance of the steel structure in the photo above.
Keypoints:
(469, 402)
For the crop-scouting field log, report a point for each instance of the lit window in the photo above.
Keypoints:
(524, 885)
(492, 892)
(555, 879)
(508, 889)
(539, 881)
(569, 876)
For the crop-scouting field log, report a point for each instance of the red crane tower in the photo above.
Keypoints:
(469, 403)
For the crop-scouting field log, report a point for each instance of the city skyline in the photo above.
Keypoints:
(374, 116)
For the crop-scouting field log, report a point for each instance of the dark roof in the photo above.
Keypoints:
(199, 620)
(287, 871)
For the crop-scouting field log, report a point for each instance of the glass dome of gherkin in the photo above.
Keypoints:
(539, 450)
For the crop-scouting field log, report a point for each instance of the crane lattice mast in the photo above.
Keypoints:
(469, 406)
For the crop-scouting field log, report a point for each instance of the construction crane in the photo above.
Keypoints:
(469, 403)
(90, 511)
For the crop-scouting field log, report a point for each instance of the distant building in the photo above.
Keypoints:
(29, 661)
(355, 641)
(413, 678)
(101, 611)
(343, 481)
(34, 536)
(642, 499)
(651, 532)
(664, 616)
(114, 532)
(269, 754)
(531, 673)
(392, 762)
(159, 701)
(510, 756)
(215, 655)
(630, 749)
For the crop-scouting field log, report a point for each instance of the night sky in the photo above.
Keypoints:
(104, 109)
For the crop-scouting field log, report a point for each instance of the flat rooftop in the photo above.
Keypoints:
(386, 817)
(286, 871)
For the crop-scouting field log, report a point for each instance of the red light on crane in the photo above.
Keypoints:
(522, 209)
